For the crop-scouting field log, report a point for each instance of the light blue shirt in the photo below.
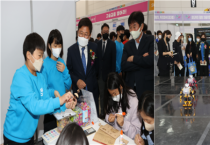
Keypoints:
(29, 98)
(137, 44)
(119, 53)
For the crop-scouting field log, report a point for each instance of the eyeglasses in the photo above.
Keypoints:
(83, 35)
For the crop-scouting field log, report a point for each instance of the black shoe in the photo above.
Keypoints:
(102, 116)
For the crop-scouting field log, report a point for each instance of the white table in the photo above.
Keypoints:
(90, 137)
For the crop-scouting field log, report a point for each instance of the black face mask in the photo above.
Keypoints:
(167, 39)
(105, 36)
(203, 39)
(121, 37)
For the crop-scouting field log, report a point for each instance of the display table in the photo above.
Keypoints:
(90, 137)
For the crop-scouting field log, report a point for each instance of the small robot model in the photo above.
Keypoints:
(192, 82)
(188, 95)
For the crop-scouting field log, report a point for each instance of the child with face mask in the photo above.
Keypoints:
(56, 74)
(119, 98)
(146, 110)
(29, 96)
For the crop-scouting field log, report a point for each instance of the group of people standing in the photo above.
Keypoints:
(176, 57)
(117, 73)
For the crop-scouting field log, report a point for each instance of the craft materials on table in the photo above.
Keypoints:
(51, 135)
(83, 112)
(107, 135)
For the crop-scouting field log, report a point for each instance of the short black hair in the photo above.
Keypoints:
(85, 22)
(198, 36)
(32, 42)
(159, 32)
(120, 27)
(167, 32)
(104, 25)
(113, 34)
(127, 33)
(55, 35)
(203, 34)
(148, 32)
(91, 39)
(155, 33)
(145, 27)
(136, 16)
(146, 103)
(72, 134)
(99, 35)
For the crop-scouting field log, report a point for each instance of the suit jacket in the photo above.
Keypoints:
(76, 70)
(96, 41)
(163, 61)
(107, 62)
(141, 70)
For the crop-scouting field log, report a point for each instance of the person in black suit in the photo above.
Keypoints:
(82, 61)
(138, 56)
(165, 55)
(107, 62)
(98, 38)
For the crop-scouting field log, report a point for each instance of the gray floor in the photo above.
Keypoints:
(175, 125)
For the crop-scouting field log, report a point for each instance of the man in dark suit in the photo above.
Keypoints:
(107, 62)
(82, 61)
(138, 56)
(98, 38)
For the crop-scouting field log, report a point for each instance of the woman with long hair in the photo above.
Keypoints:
(165, 54)
(191, 52)
(119, 98)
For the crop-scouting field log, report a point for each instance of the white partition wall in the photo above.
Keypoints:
(49, 15)
(16, 25)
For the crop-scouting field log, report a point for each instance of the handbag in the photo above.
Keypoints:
(192, 67)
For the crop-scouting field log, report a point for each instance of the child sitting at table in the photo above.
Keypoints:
(72, 134)
(29, 96)
(146, 110)
(119, 98)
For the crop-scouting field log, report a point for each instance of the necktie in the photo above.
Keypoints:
(103, 48)
(84, 61)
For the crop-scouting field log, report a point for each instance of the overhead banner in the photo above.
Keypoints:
(182, 17)
(118, 13)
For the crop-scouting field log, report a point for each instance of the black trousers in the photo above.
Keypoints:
(10, 142)
(204, 71)
(178, 71)
(102, 90)
(164, 72)
(50, 122)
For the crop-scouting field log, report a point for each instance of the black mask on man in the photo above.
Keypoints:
(105, 36)
(121, 37)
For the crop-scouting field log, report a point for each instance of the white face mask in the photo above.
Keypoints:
(116, 98)
(82, 41)
(149, 127)
(198, 40)
(135, 34)
(56, 52)
(159, 36)
(37, 63)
